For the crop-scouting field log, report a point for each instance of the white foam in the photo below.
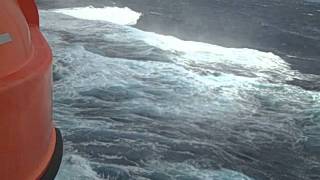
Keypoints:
(74, 167)
(175, 170)
(263, 64)
(121, 16)
(215, 53)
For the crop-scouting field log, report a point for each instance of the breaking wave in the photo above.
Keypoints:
(122, 16)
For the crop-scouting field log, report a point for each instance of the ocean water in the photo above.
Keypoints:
(133, 104)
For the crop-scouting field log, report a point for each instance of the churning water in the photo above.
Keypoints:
(140, 105)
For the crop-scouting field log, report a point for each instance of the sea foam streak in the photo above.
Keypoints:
(121, 16)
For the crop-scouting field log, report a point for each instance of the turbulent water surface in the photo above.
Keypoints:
(139, 105)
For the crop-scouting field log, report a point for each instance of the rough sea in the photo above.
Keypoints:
(138, 96)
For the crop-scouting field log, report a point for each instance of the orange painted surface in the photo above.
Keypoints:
(27, 136)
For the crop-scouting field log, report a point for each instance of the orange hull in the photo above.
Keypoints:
(27, 136)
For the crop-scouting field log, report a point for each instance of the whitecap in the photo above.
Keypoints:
(121, 16)
(75, 167)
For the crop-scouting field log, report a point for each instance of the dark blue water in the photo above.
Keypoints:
(134, 104)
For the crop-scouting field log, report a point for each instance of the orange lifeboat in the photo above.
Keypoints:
(30, 146)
